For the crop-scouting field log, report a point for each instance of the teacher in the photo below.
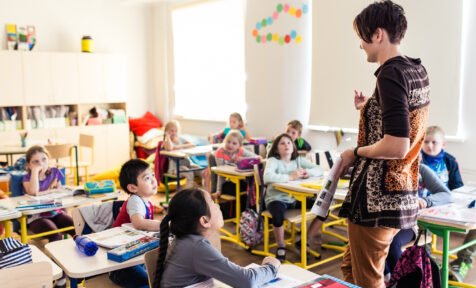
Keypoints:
(382, 197)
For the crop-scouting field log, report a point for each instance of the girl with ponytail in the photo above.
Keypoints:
(193, 218)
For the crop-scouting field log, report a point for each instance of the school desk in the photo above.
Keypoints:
(443, 228)
(9, 151)
(177, 155)
(300, 193)
(66, 202)
(77, 266)
(230, 173)
(7, 224)
(286, 270)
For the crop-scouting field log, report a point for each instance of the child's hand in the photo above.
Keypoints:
(305, 174)
(216, 195)
(295, 175)
(271, 260)
(422, 204)
(37, 169)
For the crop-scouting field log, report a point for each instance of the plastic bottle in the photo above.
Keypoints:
(87, 246)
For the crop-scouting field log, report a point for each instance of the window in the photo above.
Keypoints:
(209, 59)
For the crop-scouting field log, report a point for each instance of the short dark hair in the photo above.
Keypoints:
(130, 171)
(273, 152)
(384, 14)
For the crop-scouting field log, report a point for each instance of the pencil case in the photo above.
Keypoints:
(133, 249)
(99, 187)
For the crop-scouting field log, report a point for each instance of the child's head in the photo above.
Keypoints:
(136, 177)
(294, 129)
(236, 121)
(37, 156)
(434, 140)
(191, 212)
(283, 145)
(233, 141)
(172, 128)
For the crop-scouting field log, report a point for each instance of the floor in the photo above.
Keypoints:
(243, 257)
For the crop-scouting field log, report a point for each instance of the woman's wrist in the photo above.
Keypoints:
(356, 152)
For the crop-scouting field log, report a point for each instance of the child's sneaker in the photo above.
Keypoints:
(281, 254)
(459, 268)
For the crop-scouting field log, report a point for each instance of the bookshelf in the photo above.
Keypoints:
(49, 95)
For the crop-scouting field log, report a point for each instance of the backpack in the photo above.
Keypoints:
(161, 164)
(251, 224)
(416, 268)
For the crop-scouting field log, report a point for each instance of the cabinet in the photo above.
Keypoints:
(43, 83)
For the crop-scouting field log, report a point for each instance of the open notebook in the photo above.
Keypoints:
(117, 236)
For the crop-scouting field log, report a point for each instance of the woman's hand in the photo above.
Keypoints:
(359, 99)
(348, 159)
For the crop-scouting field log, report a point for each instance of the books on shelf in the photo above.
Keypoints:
(327, 281)
(117, 236)
(133, 249)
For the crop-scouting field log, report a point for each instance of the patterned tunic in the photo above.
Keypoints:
(384, 192)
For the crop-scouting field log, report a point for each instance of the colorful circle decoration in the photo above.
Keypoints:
(291, 37)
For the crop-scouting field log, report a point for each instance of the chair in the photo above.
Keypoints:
(151, 265)
(85, 141)
(161, 166)
(291, 216)
(39, 275)
(58, 152)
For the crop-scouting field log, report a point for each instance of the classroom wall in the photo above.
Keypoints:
(115, 27)
(278, 85)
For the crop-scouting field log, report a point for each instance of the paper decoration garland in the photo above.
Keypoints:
(288, 38)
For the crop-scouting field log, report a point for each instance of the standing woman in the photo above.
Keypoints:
(382, 197)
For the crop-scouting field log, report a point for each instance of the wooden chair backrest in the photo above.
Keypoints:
(32, 275)
(151, 259)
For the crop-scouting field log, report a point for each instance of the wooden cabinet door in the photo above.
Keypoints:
(115, 78)
(91, 79)
(65, 78)
(37, 78)
(11, 80)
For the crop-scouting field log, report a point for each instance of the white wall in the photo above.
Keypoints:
(278, 85)
(115, 28)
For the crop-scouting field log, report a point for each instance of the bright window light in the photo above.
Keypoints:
(209, 60)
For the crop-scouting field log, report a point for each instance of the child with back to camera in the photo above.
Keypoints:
(193, 219)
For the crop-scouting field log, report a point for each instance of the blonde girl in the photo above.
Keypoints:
(231, 152)
(235, 122)
(173, 141)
